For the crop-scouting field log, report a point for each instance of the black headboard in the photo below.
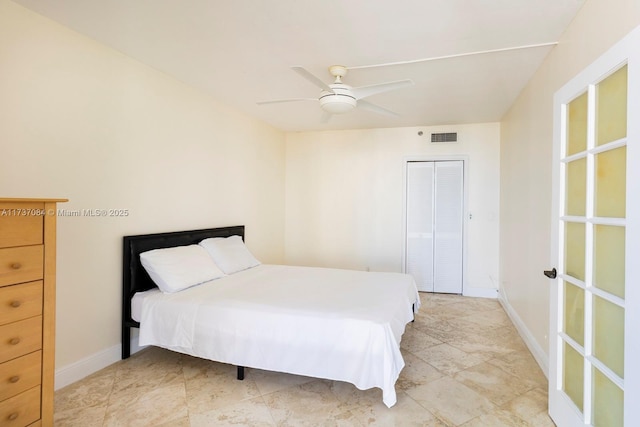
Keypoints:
(135, 278)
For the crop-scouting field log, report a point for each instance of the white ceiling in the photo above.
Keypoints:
(242, 51)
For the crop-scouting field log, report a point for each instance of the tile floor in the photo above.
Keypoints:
(465, 366)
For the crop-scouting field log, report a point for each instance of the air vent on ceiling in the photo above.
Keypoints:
(444, 137)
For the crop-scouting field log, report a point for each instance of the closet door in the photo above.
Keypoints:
(447, 262)
(434, 225)
(419, 244)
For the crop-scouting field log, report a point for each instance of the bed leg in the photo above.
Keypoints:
(240, 373)
(126, 342)
(413, 311)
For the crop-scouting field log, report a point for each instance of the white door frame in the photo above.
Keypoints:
(624, 51)
(465, 204)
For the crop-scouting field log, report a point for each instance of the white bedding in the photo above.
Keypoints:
(327, 323)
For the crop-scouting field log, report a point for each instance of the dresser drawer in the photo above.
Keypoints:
(21, 224)
(19, 375)
(21, 264)
(20, 338)
(19, 302)
(21, 410)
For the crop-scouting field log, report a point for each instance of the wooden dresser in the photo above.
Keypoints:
(27, 310)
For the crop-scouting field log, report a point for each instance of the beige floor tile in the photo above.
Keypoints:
(154, 407)
(433, 299)
(268, 382)
(93, 391)
(473, 306)
(455, 329)
(522, 365)
(351, 396)
(416, 372)
(407, 412)
(252, 412)
(80, 417)
(508, 336)
(426, 323)
(182, 422)
(448, 359)
(415, 340)
(311, 404)
(346, 419)
(450, 401)
(531, 405)
(147, 370)
(468, 324)
(491, 318)
(436, 327)
(84, 403)
(448, 311)
(540, 420)
(488, 343)
(493, 383)
(496, 418)
(210, 385)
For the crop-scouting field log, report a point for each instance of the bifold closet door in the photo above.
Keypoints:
(419, 244)
(434, 243)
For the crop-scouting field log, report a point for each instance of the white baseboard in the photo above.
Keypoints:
(87, 366)
(480, 292)
(535, 349)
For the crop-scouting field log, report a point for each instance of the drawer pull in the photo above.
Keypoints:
(15, 304)
(13, 416)
(14, 379)
(14, 341)
(16, 266)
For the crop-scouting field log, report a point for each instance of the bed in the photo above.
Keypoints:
(334, 324)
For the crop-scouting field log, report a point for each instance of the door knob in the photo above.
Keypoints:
(551, 274)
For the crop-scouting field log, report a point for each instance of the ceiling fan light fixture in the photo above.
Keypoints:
(339, 102)
(339, 106)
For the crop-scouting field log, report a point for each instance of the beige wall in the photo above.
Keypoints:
(526, 150)
(83, 122)
(344, 196)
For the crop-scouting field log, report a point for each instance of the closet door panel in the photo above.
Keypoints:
(420, 192)
(448, 211)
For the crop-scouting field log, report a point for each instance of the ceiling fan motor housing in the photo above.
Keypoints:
(338, 102)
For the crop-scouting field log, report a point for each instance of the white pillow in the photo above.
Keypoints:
(229, 253)
(180, 267)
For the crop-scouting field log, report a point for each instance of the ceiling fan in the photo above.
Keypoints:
(339, 98)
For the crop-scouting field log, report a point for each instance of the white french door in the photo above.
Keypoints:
(434, 224)
(594, 377)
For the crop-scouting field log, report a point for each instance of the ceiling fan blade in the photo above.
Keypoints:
(455, 55)
(376, 109)
(365, 91)
(278, 101)
(313, 79)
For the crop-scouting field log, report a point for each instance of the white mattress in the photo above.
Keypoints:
(138, 300)
(335, 324)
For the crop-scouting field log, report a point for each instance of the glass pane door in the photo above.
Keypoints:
(592, 230)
